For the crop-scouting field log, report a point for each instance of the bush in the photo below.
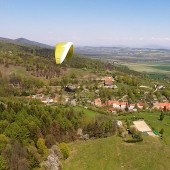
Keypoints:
(50, 140)
(133, 140)
(42, 149)
(64, 150)
(3, 142)
(2, 163)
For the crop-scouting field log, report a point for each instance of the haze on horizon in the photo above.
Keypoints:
(88, 23)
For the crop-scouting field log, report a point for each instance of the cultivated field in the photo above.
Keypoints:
(157, 67)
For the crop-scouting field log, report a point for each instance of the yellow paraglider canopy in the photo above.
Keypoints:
(62, 51)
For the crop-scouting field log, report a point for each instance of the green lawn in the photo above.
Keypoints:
(113, 154)
(89, 113)
(153, 121)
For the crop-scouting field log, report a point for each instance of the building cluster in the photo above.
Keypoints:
(112, 105)
(162, 106)
(45, 99)
(115, 105)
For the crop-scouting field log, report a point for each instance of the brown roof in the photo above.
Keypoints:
(111, 109)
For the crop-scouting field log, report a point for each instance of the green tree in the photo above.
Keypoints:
(137, 136)
(17, 132)
(2, 163)
(50, 140)
(3, 125)
(161, 131)
(3, 142)
(161, 116)
(127, 108)
(42, 149)
(34, 157)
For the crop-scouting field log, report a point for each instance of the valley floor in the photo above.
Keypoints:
(150, 67)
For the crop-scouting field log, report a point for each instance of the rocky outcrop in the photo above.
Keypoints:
(81, 136)
(53, 160)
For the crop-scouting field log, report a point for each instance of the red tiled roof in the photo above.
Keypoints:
(108, 78)
(116, 102)
(163, 104)
(108, 82)
(110, 102)
(123, 103)
(97, 100)
(111, 109)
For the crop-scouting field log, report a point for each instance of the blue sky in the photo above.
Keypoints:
(88, 22)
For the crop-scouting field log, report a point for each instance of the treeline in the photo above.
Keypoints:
(27, 130)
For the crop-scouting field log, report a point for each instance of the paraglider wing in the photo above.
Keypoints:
(62, 51)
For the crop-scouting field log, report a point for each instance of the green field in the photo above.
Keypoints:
(162, 67)
(150, 67)
(87, 112)
(113, 154)
(152, 119)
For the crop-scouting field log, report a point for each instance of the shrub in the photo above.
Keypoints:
(2, 163)
(3, 142)
(64, 150)
(42, 149)
(133, 140)
(50, 140)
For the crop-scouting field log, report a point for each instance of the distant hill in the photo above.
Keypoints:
(125, 54)
(24, 41)
(155, 46)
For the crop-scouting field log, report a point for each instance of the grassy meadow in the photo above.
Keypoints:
(88, 113)
(113, 154)
(152, 119)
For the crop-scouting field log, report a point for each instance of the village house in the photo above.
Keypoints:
(119, 105)
(140, 105)
(98, 102)
(112, 110)
(122, 105)
(131, 107)
(110, 102)
(108, 82)
(162, 106)
(47, 100)
(44, 100)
